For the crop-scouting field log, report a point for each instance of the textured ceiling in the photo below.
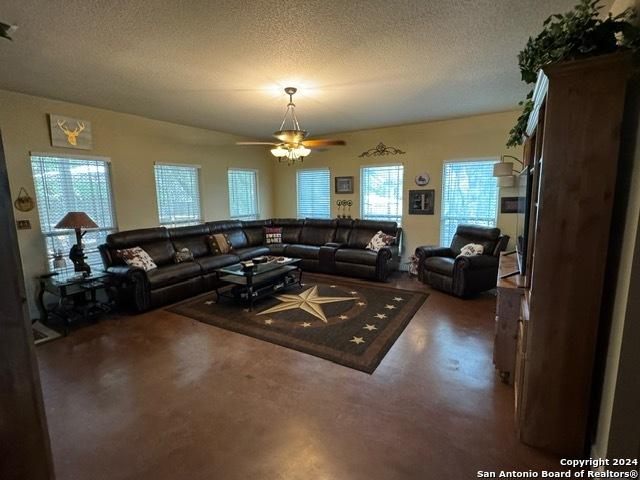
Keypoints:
(221, 64)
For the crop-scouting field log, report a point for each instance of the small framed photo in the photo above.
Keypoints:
(344, 185)
(512, 204)
(422, 202)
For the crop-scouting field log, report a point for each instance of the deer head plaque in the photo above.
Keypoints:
(70, 132)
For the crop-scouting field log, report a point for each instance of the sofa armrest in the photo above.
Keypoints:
(133, 286)
(126, 272)
(477, 262)
(433, 251)
(387, 261)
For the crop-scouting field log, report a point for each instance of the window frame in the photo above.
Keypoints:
(67, 232)
(401, 203)
(317, 169)
(442, 188)
(245, 218)
(185, 223)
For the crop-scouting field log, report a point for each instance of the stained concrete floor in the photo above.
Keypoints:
(159, 396)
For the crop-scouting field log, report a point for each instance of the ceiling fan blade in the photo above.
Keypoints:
(322, 143)
(255, 143)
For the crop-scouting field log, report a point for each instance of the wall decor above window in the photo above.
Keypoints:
(70, 132)
(380, 150)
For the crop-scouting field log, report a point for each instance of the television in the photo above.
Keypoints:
(523, 184)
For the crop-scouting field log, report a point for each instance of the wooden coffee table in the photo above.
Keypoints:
(263, 280)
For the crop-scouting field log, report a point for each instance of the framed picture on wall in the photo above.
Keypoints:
(421, 202)
(512, 204)
(344, 185)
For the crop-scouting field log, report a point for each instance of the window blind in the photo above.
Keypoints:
(65, 184)
(381, 193)
(243, 194)
(178, 195)
(314, 193)
(469, 196)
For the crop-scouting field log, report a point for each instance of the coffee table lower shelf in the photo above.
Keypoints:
(251, 288)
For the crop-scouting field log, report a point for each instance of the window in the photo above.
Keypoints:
(469, 195)
(178, 194)
(73, 184)
(243, 194)
(381, 193)
(314, 193)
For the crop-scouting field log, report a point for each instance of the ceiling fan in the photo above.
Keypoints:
(292, 146)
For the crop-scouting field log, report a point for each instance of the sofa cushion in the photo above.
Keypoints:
(272, 235)
(352, 255)
(441, 265)
(254, 231)
(219, 244)
(364, 230)
(343, 230)
(303, 251)
(291, 228)
(237, 238)
(154, 241)
(170, 274)
(193, 237)
(465, 234)
(136, 257)
(251, 252)
(277, 248)
(317, 232)
(213, 262)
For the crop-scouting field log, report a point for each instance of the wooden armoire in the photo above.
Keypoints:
(572, 153)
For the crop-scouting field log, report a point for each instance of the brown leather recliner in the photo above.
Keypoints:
(443, 269)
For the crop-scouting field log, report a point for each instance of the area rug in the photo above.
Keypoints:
(347, 322)
(43, 334)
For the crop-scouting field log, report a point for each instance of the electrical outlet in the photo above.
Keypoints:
(24, 224)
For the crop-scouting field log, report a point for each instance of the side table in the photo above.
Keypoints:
(77, 296)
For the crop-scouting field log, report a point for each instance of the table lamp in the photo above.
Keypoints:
(78, 221)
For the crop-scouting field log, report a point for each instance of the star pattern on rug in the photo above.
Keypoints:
(309, 301)
(398, 299)
(389, 307)
(361, 304)
(268, 321)
(370, 327)
(357, 340)
(209, 302)
(353, 293)
(380, 315)
(305, 324)
(343, 317)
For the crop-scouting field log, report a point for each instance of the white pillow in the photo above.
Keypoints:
(380, 240)
(137, 257)
(471, 250)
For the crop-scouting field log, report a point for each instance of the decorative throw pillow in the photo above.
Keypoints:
(380, 240)
(137, 257)
(272, 235)
(219, 243)
(471, 250)
(183, 255)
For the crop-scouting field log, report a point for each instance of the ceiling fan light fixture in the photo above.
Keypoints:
(279, 151)
(303, 151)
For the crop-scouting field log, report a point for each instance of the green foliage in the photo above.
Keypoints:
(577, 34)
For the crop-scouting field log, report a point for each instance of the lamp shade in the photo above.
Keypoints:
(502, 169)
(509, 181)
(76, 220)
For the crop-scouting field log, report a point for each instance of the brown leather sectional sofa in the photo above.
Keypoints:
(326, 246)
